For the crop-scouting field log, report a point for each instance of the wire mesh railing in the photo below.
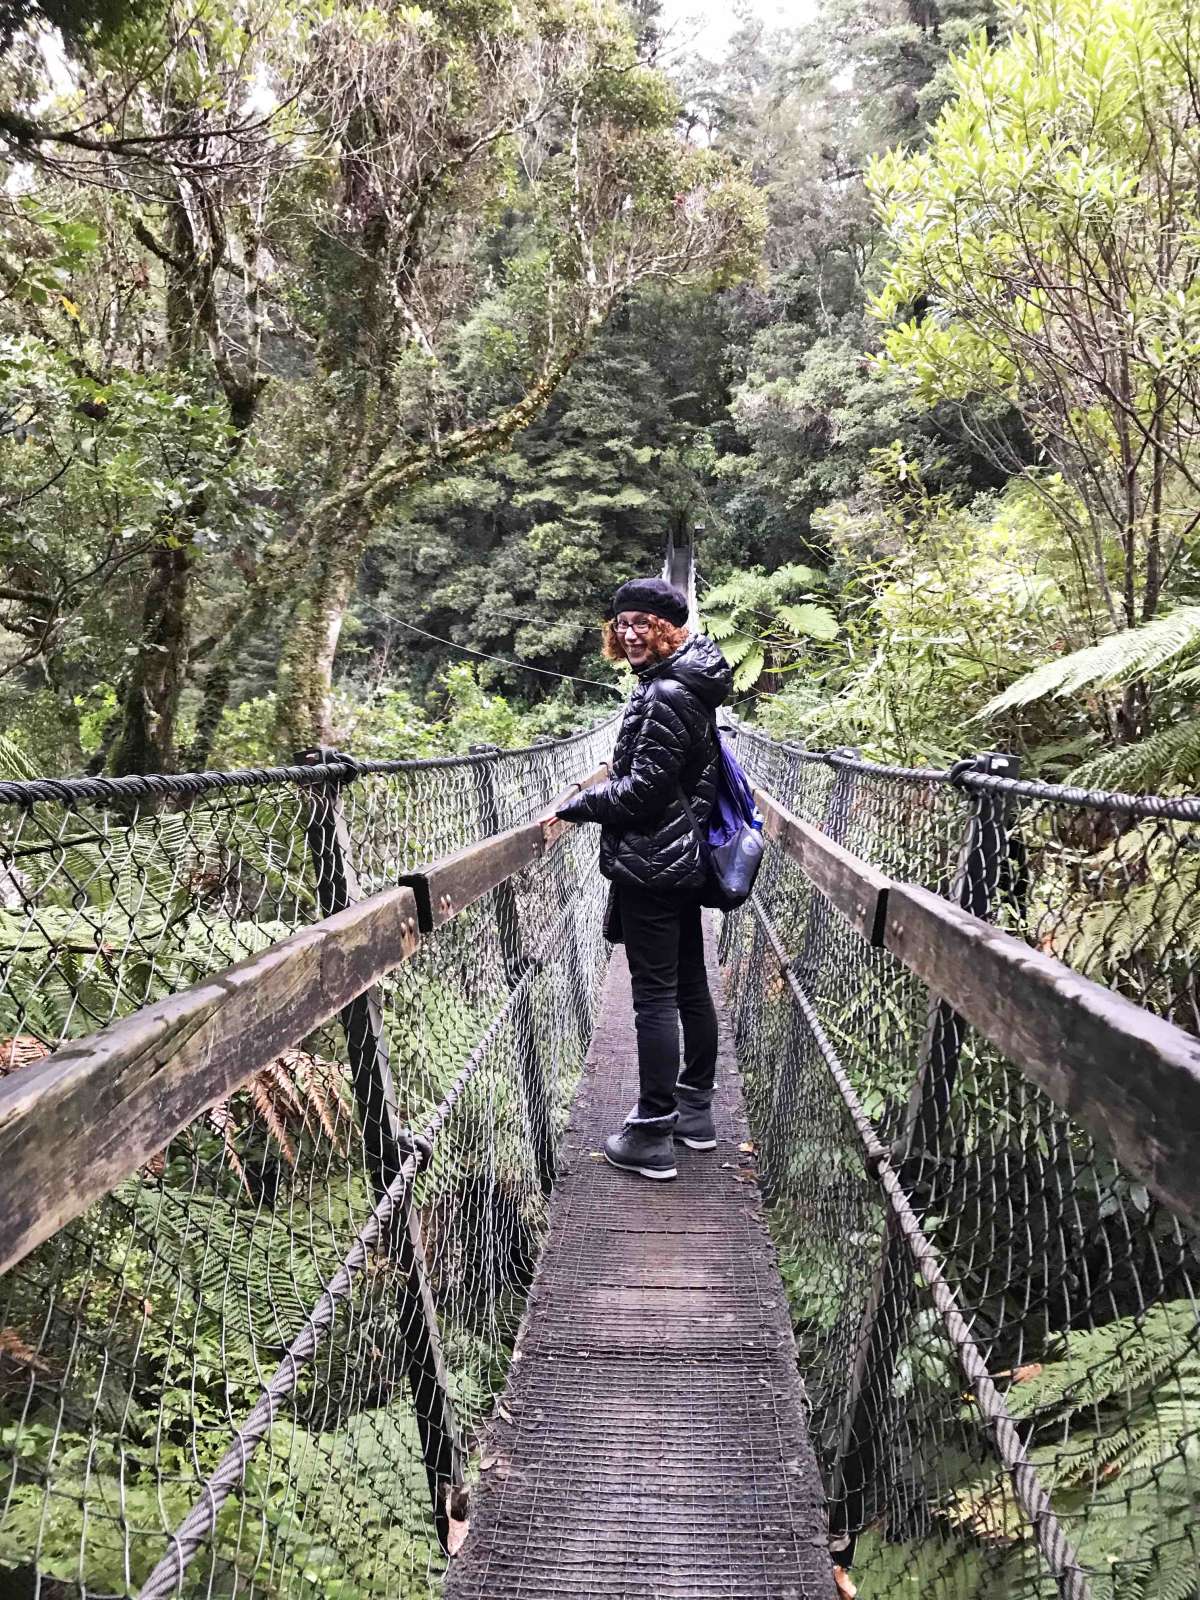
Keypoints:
(244, 1370)
(114, 892)
(259, 1364)
(996, 1317)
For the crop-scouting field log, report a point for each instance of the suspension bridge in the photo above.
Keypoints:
(314, 1282)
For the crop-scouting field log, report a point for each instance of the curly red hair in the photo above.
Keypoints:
(663, 638)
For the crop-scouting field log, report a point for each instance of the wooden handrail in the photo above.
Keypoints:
(1127, 1075)
(75, 1124)
(457, 880)
(854, 887)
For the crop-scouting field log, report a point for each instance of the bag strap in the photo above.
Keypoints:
(691, 816)
(701, 841)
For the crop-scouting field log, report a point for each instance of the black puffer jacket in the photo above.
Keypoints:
(665, 742)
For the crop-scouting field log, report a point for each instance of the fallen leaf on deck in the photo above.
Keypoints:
(748, 1146)
(845, 1583)
(456, 1535)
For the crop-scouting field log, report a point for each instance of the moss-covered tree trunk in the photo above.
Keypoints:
(305, 686)
(146, 742)
(150, 699)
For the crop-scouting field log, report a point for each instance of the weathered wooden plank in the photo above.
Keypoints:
(554, 827)
(444, 888)
(73, 1126)
(857, 889)
(1128, 1076)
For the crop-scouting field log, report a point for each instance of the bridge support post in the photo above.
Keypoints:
(386, 1143)
(978, 883)
(517, 963)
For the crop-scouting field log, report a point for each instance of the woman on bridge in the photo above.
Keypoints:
(648, 848)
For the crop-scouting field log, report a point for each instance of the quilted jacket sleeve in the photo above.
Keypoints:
(662, 745)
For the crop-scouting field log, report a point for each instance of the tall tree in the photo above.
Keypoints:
(551, 117)
(157, 149)
(418, 220)
(1048, 236)
(805, 109)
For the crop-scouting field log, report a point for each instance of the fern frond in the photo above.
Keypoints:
(719, 624)
(812, 622)
(1099, 1364)
(1143, 890)
(15, 765)
(1172, 755)
(737, 648)
(795, 576)
(1134, 653)
(750, 670)
(261, 1093)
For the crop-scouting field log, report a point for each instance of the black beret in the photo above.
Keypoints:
(655, 595)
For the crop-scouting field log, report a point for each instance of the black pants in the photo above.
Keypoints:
(664, 942)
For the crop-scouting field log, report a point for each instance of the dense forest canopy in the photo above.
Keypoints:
(351, 355)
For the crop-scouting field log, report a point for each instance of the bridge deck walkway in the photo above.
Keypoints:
(651, 1443)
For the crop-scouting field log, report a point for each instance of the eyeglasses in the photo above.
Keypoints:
(642, 627)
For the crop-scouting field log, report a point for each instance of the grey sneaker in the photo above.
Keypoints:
(646, 1150)
(694, 1127)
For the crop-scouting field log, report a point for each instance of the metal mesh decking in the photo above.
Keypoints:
(652, 1441)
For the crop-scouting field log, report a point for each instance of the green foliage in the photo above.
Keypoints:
(1116, 1405)
(520, 556)
(1135, 653)
(1121, 912)
(1110, 1420)
(97, 1505)
(1158, 660)
(1035, 241)
(99, 477)
(84, 24)
(940, 605)
(805, 108)
(128, 911)
(1165, 760)
(759, 630)
(431, 216)
(243, 737)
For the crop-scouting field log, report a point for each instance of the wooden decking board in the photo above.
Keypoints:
(657, 1447)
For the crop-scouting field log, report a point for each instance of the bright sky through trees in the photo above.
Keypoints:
(711, 22)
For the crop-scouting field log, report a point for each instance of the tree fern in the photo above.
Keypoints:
(1112, 1362)
(811, 621)
(1114, 1435)
(1138, 905)
(720, 625)
(754, 618)
(750, 669)
(15, 765)
(1168, 757)
(1134, 653)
